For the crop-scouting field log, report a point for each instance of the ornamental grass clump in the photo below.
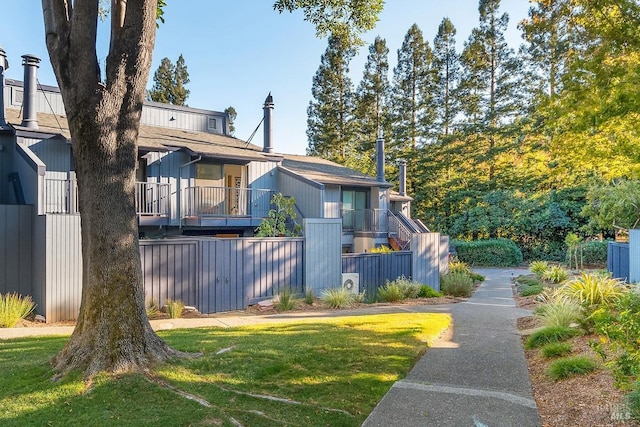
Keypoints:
(556, 349)
(337, 297)
(391, 292)
(550, 334)
(174, 308)
(594, 289)
(286, 301)
(13, 308)
(539, 268)
(571, 366)
(558, 311)
(556, 274)
(428, 292)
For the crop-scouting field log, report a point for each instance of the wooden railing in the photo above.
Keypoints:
(153, 198)
(225, 202)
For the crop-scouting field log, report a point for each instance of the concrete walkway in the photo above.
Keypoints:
(477, 377)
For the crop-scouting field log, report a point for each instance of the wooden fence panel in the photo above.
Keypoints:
(169, 270)
(376, 269)
(426, 259)
(16, 249)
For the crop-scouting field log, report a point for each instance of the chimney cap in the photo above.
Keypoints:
(402, 161)
(268, 102)
(29, 59)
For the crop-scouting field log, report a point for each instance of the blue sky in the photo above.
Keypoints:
(239, 51)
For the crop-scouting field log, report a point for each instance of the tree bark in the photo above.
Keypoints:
(113, 332)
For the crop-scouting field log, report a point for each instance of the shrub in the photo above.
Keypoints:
(286, 301)
(476, 277)
(556, 349)
(550, 334)
(337, 297)
(429, 292)
(565, 368)
(309, 296)
(556, 274)
(13, 308)
(457, 266)
(558, 311)
(594, 289)
(390, 292)
(174, 308)
(361, 297)
(539, 268)
(399, 290)
(594, 253)
(456, 284)
(152, 309)
(489, 253)
(633, 401)
(527, 290)
(381, 250)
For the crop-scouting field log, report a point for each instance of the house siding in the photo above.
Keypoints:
(16, 249)
(187, 120)
(309, 198)
(332, 201)
(54, 152)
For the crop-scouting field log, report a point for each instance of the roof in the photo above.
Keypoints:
(394, 196)
(152, 138)
(327, 172)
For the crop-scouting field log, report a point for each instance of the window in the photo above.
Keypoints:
(212, 123)
(354, 209)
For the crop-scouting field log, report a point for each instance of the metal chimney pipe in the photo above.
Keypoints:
(268, 130)
(380, 157)
(29, 114)
(4, 65)
(403, 178)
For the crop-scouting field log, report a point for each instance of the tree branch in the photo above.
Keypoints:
(57, 27)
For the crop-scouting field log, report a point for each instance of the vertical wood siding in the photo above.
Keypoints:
(618, 260)
(16, 249)
(634, 256)
(309, 199)
(323, 262)
(376, 269)
(426, 259)
(63, 267)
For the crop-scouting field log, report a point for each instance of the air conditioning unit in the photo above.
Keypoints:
(351, 282)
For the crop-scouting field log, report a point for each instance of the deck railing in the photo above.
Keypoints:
(60, 196)
(374, 220)
(153, 198)
(225, 202)
(399, 231)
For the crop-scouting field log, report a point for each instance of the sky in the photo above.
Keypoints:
(238, 51)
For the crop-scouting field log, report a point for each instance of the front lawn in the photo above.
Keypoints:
(312, 372)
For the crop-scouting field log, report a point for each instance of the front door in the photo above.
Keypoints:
(236, 194)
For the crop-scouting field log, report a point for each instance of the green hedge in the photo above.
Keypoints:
(489, 253)
(594, 253)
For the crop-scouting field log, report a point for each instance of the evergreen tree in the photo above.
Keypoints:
(446, 75)
(372, 107)
(330, 112)
(412, 102)
(231, 112)
(548, 34)
(489, 87)
(169, 82)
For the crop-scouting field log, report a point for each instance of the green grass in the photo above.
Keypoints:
(571, 366)
(550, 334)
(556, 349)
(337, 368)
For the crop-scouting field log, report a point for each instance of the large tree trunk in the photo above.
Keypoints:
(112, 333)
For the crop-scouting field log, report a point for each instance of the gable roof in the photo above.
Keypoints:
(327, 172)
(152, 138)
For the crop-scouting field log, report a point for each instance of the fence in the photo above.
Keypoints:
(376, 269)
(216, 275)
(618, 260)
(15, 249)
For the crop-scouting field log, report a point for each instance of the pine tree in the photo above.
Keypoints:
(169, 82)
(446, 75)
(372, 107)
(330, 112)
(412, 102)
(490, 85)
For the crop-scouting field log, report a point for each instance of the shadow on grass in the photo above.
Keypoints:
(334, 371)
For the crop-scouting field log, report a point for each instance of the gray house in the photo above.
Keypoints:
(193, 179)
